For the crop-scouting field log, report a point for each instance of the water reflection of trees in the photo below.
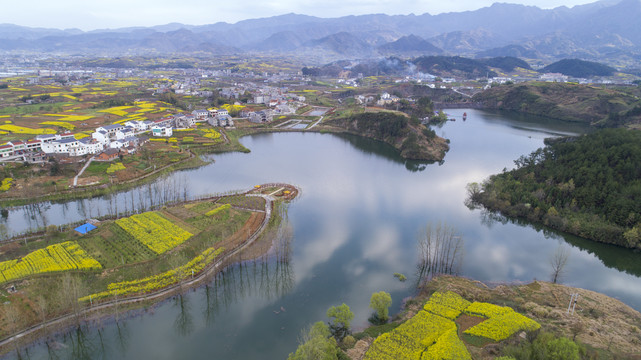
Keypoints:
(440, 250)
(163, 191)
(88, 341)
(184, 323)
(269, 276)
(35, 215)
(369, 146)
(611, 256)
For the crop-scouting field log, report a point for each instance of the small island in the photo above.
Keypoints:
(64, 276)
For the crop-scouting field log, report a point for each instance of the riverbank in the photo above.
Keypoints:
(90, 191)
(602, 325)
(416, 142)
(229, 251)
(72, 181)
(597, 106)
(413, 140)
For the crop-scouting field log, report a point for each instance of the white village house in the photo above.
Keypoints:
(165, 131)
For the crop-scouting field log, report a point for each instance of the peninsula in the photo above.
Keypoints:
(59, 278)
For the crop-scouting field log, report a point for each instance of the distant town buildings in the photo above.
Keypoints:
(554, 77)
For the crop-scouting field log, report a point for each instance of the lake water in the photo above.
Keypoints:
(354, 225)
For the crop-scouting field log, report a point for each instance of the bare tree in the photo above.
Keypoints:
(11, 315)
(41, 308)
(440, 251)
(71, 290)
(558, 261)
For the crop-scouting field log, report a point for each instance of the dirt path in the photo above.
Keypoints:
(316, 123)
(75, 179)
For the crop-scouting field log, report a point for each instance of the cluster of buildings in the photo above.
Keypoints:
(270, 96)
(110, 139)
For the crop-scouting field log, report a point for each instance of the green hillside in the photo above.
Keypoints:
(589, 186)
(565, 101)
(579, 68)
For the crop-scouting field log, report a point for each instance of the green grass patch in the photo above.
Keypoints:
(202, 207)
(116, 247)
(245, 202)
(477, 341)
(375, 331)
(96, 168)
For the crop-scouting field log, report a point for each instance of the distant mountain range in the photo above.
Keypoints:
(604, 30)
(456, 66)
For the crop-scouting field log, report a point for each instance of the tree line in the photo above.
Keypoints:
(588, 185)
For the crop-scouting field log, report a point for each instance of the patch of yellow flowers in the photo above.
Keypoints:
(153, 230)
(152, 283)
(502, 321)
(218, 209)
(25, 130)
(410, 339)
(115, 167)
(62, 124)
(447, 347)
(117, 110)
(6, 184)
(432, 333)
(211, 134)
(65, 117)
(59, 257)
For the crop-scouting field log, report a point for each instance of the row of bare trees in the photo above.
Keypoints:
(440, 250)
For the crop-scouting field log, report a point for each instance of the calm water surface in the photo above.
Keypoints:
(354, 225)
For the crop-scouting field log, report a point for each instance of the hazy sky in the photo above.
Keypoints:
(98, 14)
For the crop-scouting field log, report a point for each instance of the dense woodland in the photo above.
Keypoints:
(589, 186)
(413, 139)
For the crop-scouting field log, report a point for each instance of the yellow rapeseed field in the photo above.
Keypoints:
(59, 257)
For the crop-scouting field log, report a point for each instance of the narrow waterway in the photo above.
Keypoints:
(354, 225)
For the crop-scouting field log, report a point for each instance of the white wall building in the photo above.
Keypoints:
(111, 129)
(101, 137)
(59, 146)
(85, 146)
(137, 125)
(126, 132)
(165, 131)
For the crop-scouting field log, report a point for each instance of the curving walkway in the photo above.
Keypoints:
(209, 270)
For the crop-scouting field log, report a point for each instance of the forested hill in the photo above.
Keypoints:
(579, 68)
(589, 186)
(414, 140)
(566, 101)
